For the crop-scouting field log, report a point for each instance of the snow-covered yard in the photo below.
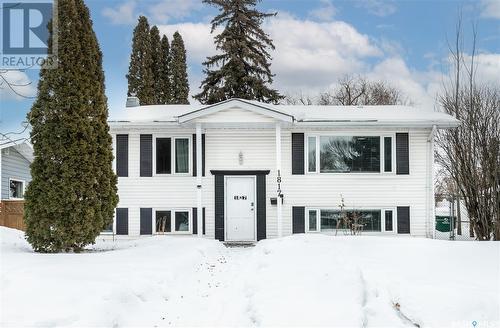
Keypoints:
(304, 280)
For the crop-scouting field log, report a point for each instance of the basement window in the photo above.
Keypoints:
(328, 220)
(173, 221)
(16, 189)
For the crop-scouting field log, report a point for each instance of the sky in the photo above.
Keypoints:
(404, 43)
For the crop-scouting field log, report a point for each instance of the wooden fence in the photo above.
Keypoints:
(11, 214)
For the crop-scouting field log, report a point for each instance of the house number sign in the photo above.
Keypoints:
(240, 197)
(278, 180)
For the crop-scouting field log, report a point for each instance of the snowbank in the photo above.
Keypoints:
(303, 280)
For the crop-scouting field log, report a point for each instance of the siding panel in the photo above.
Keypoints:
(14, 166)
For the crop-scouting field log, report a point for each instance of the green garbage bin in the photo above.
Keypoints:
(443, 223)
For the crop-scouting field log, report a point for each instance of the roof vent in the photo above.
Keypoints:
(133, 102)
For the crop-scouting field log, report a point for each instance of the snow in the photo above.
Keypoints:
(355, 115)
(302, 280)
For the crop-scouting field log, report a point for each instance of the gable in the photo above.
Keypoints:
(235, 115)
(236, 111)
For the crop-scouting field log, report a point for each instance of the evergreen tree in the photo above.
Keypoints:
(178, 71)
(242, 69)
(165, 92)
(140, 73)
(73, 192)
(156, 56)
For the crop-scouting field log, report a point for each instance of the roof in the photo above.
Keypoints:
(22, 146)
(300, 115)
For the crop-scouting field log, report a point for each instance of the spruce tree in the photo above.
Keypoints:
(140, 74)
(178, 71)
(73, 192)
(242, 69)
(156, 54)
(165, 92)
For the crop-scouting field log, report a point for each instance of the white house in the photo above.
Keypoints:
(225, 168)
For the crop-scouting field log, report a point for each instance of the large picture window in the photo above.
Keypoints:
(331, 219)
(349, 154)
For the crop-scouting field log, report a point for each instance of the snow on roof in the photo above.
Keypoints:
(303, 114)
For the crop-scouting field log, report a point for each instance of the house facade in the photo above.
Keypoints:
(243, 171)
(15, 160)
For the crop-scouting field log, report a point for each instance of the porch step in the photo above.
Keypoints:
(239, 244)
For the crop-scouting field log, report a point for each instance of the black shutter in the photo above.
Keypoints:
(261, 207)
(219, 207)
(402, 154)
(146, 155)
(403, 219)
(297, 153)
(299, 219)
(203, 220)
(122, 155)
(202, 154)
(195, 220)
(146, 221)
(122, 221)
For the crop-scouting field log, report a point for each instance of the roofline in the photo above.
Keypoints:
(200, 112)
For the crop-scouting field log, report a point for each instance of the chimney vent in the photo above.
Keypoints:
(133, 102)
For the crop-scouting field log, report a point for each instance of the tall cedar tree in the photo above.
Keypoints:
(243, 67)
(178, 71)
(140, 75)
(73, 192)
(156, 54)
(165, 95)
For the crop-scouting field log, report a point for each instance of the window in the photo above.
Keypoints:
(181, 155)
(172, 221)
(349, 154)
(182, 221)
(388, 220)
(163, 222)
(329, 218)
(312, 220)
(172, 155)
(16, 189)
(163, 156)
(311, 149)
(387, 154)
(108, 228)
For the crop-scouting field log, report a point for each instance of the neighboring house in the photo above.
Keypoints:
(222, 168)
(15, 160)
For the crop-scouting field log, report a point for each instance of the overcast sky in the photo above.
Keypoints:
(402, 42)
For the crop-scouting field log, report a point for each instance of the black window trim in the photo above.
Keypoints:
(172, 154)
(361, 134)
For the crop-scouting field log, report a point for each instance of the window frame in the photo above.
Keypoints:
(318, 220)
(393, 153)
(172, 154)
(172, 221)
(23, 184)
(382, 210)
(317, 137)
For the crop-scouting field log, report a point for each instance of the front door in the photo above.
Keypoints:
(240, 208)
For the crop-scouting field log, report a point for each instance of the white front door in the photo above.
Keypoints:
(240, 208)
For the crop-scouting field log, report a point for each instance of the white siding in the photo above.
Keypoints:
(223, 147)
